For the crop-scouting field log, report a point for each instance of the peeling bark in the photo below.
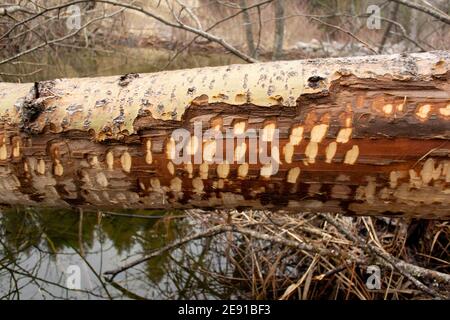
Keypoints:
(279, 30)
(363, 135)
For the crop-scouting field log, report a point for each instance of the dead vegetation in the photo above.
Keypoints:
(307, 256)
(250, 30)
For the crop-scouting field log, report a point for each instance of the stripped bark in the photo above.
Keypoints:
(363, 135)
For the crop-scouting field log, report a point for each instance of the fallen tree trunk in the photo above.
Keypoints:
(363, 135)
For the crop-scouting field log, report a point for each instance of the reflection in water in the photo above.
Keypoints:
(37, 249)
(94, 63)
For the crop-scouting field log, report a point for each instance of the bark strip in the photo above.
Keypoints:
(361, 135)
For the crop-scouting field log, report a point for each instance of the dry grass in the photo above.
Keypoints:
(308, 256)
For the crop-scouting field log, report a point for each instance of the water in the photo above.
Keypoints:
(42, 250)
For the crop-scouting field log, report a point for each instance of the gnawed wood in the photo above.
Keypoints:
(363, 135)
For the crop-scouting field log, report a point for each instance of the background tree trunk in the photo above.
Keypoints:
(386, 34)
(363, 135)
(279, 30)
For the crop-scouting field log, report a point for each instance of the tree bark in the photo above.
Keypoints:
(363, 135)
(279, 30)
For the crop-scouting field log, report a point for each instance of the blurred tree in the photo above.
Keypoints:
(248, 30)
(279, 30)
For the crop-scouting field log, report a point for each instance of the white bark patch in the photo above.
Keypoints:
(192, 145)
(170, 149)
(40, 168)
(445, 111)
(388, 108)
(58, 169)
(243, 170)
(239, 128)
(268, 132)
(330, 152)
(176, 184)
(110, 160)
(155, 184)
(198, 186)
(223, 169)
(189, 169)
(311, 151)
(3, 152)
(352, 155)
(370, 190)
(344, 135)
(125, 160)
(427, 171)
(318, 132)
(393, 179)
(423, 111)
(296, 135)
(16, 149)
(288, 152)
(266, 170)
(171, 168)
(209, 151)
(437, 171)
(239, 152)
(94, 162)
(414, 180)
(148, 152)
(348, 122)
(219, 184)
(446, 171)
(203, 170)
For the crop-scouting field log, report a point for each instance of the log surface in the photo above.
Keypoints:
(361, 135)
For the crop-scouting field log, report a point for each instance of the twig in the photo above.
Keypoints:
(215, 231)
(12, 9)
(180, 25)
(208, 233)
(368, 46)
(20, 74)
(43, 44)
(402, 267)
(257, 5)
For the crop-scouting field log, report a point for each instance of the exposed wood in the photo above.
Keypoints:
(362, 135)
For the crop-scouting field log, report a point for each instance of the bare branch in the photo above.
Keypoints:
(256, 5)
(13, 9)
(67, 36)
(368, 46)
(180, 25)
(402, 267)
(428, 10)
